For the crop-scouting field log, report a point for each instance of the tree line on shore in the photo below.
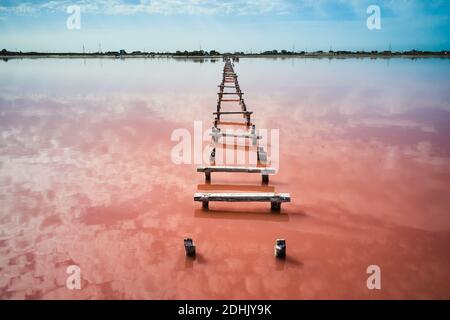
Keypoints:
(203, 53)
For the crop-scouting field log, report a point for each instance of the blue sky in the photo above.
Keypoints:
(224, 25)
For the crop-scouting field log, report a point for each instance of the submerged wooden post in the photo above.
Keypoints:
(261, 155)
(275, 206)
(218, 105)
(265, 178)
(247, 115)
(212, 157)
(215, 136)
(280, 248)
(243, 105)
(189, 247)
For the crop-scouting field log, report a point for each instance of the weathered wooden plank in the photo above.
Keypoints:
(246, 113)
(233, 112)
(235, 187)
(262, 170)
(243, 197)
(216, 134)
(275, 199)
(230, 100)
(229, 123)
(235, 135)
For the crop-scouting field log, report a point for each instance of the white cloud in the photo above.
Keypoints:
(164, 7)
(319, 9)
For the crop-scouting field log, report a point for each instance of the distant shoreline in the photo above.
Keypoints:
(213, 57)
(213, 54)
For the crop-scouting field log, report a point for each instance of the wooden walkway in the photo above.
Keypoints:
(230, 81)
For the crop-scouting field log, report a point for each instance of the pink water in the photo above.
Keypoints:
(86, 178)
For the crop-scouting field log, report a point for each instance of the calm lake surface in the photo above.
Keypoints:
(86, 178)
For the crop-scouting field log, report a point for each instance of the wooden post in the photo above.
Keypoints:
(205, 205)
(261, 155)
(212, 158)
(243, 106)
(280, 248)
(265, 178)
(275, 206)
(248, 118)
(208, 176)
(189, 247)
